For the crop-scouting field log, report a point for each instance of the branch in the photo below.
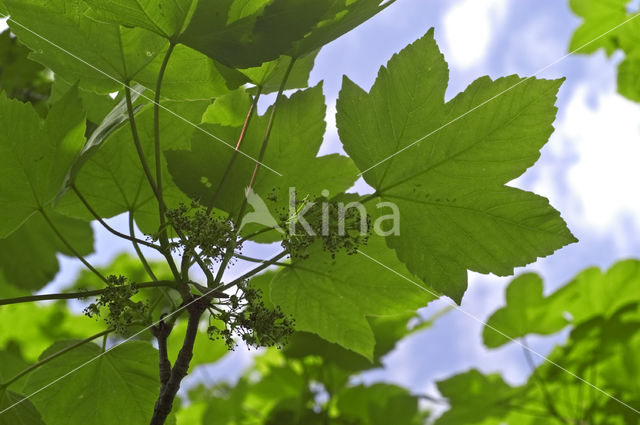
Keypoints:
(162, 331)
(54, 356)
(258, 260)
(164, 404)
(71, 248)
(265, 264)
(196, 307)
(83, 294)
(256, 233)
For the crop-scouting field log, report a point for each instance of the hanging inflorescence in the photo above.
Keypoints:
(122, 311)
(337, 227)
(247, 317)
(205, 235)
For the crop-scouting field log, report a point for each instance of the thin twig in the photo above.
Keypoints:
(104, 224)
(83, 294)
(71, 248)
(551, 407)
(156, 141)
(234, 156)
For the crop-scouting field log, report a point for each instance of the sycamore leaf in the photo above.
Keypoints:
(332, 298)
(243, 34)
(41, 326)
(597, 339)
(628, 76)
(101, 56)
(112, 121)
(28, 257)
(296, 137)
(164, 17)
(629, 42)
(205, 350)
(340, 18)
(117, 387)
(21, 414)
(21, 77)
(190, 75)
(269, 75)
(595, 293)
(526, 312)
(475, 397)
(387, 330)
(456, 212)
(34, 156)
(99, 48)
(112, 179)
(590, 294)
(96, 106)
(229, 110)
(600, 17)
(378, 404)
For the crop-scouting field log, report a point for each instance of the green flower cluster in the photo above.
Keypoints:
(247, 317)
(116, 299)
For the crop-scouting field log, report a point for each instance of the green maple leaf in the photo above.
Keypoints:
(600, 18)
(102, 55)
(333, 298)
(112, 180)
(117, 387)
(296, 137)
(164, 17)
(456, 212)
(23, 413)
(475, 398)
(341, 17)
(378, 404)
(527, 312)
(243, 34)
(34, 155)
(592, 293)
(269, 75)
(28, 257)
(41, 326)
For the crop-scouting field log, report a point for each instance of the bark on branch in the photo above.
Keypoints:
(168, 392)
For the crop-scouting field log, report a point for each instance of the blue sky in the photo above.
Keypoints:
(588, 169)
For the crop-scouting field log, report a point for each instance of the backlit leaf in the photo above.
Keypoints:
(457, 214)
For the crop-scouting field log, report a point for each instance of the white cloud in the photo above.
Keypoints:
(603, 131)
(469, 27)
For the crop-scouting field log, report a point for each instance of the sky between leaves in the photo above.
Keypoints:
(498, 37)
